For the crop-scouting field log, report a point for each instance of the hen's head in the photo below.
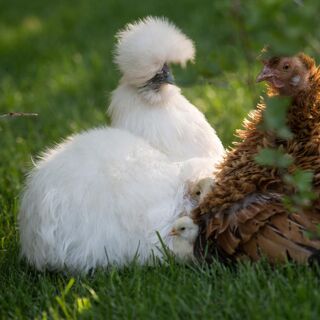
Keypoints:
(288, 76)
(145, 49)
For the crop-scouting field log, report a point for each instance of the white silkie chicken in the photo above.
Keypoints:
(147, 103)
(98, 199)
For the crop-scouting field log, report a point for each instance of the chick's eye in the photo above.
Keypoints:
(198, 193)
(286, 67)
(182, 228)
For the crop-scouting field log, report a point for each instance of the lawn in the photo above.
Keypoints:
(56, 60)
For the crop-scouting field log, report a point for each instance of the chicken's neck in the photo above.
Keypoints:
(304, 113)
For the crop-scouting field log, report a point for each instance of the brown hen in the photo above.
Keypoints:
(244, 216)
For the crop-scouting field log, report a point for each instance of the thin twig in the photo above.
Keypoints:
(18, 114)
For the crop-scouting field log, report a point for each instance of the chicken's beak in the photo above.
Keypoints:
(265, 74)
(173, 232)
(169, 78)
(167, 75)
(162, 77)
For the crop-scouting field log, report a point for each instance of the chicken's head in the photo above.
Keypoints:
(199, 190)
(185, 229)
(287, 76)
(146, 47)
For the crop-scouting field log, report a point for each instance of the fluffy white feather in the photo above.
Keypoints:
(157, 111)
(145, 45)
(176, 127)
(98, 199)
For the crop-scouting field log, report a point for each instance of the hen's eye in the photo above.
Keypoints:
(182, 228)
(198, 193)
(286, 67)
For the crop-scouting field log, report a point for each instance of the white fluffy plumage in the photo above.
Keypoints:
(98, 199)
(147, 104)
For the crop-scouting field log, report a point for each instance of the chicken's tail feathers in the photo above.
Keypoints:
(260, 229)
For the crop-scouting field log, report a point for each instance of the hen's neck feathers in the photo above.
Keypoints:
(304, 113)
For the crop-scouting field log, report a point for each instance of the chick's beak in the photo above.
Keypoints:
(173, 232)
(265, 74)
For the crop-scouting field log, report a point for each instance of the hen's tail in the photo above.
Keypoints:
(260, 227)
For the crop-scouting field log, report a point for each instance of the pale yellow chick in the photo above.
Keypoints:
(184, 232)
(199, 190)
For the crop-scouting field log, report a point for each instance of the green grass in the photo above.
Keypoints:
(56, 60)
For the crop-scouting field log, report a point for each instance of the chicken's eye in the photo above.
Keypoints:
(183, 228)
(198, 193)
(286, 67)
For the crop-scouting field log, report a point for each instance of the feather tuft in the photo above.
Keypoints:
(145, 45)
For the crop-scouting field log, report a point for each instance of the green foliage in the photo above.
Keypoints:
(274, 158)
(301, 180)
(56, 60)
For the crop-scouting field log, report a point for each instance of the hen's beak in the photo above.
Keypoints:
(167, 76)
(265, 74)
(160, 78)
(173, 232)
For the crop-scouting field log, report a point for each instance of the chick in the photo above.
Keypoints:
(147, 103)
(184, 232)
(198, 190)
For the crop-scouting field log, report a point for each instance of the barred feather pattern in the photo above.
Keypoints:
(243, 217)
